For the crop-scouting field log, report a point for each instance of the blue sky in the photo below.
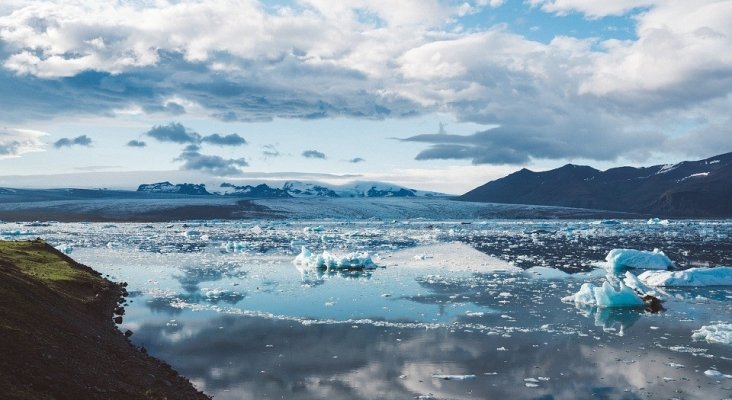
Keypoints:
(438, 95)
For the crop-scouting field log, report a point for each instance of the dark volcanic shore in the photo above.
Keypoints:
(58, 339)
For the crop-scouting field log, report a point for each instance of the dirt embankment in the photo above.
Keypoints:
(58, 339)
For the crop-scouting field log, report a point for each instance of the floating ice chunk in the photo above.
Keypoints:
(713, 373)
(606, 296)
(717, 276)
(234, 247)
(356, 260)
(636, 284)
(657, 221)
(453, 377)
(619, 259)
(64, 248)
(717, 333)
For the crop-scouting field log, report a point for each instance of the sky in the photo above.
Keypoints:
(435, 95)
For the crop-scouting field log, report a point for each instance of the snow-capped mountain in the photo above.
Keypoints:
(167, 187)
(354, 189)
(260, 191)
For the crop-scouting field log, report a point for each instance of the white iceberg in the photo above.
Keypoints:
(356, 260)
(606, 296)
(717, 333)
(638, 286)
(717, 276)
(619, 259)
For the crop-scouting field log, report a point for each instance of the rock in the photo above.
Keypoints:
(117, 320)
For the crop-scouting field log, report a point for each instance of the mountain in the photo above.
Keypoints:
(354, 189)
(259, 191)
(316, 189)
(687, 189)
(167, 187)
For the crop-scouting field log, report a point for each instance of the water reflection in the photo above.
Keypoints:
(253, 358)
(611, 319)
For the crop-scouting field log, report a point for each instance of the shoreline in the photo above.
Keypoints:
(58, 337)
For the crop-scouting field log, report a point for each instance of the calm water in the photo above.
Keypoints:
(223, 303)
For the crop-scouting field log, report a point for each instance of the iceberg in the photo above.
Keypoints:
(356, 260)
(619, 259)
(606, 296)
(717, 333)
(717, 276)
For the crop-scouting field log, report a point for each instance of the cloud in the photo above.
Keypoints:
(15, 142)
(270, 151)
(173, 132)
(136, 143)
(193, 160)
(377, 60)
(228, 140)
(82, 140)
(313, 154)
(356, 160)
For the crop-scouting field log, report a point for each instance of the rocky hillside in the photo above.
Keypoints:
(687, 189)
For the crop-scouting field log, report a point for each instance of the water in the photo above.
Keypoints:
(223, 303)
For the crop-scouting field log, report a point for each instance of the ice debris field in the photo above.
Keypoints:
(624, 291)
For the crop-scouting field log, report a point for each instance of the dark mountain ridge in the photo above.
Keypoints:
(687, 189)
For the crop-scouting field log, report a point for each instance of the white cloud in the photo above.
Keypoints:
(592, 8)
(15, 142)
(236, 59)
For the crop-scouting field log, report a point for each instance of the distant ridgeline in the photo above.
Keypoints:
(290, 189)
(687, 189)
(167, 187)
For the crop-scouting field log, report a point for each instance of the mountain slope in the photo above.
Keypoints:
(687, 189)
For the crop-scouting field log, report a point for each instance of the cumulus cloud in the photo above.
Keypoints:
(14, 142)
(227, 140)
(82, 140)
(136, 143)
(356, 160)
(313, 154)
(173, 132)
(193, 160)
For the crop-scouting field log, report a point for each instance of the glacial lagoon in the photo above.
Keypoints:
(453, 310)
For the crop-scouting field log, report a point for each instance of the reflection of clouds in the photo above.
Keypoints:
(193, 276)
(260, 358)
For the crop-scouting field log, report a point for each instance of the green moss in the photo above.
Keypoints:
(36, 259)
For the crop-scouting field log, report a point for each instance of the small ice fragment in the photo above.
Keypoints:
(502, 349)
(453, 377)
(713, 373)
(716, 333)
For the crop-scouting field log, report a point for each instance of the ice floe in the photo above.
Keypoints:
(453, 377)
(453, 256)
(619, 259)
(716, 333)
(355, 260)
(606, 295)
(717, 276)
